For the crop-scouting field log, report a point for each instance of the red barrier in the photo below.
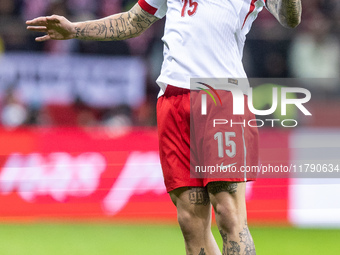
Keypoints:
(102, 173)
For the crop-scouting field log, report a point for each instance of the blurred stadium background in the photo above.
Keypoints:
(79, 169)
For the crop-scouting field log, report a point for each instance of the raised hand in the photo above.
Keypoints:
(287, 12)
(56, 28)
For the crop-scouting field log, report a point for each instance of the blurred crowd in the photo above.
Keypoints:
(310, 51)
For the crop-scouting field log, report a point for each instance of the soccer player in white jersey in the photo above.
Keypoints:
(202, 38)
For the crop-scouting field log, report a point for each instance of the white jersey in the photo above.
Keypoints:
(203, 38)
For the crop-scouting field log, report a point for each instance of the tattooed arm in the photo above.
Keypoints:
(112, 28)
(287, 12)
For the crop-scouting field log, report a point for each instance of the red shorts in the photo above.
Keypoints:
(192, 151)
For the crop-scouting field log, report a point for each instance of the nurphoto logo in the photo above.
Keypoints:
(238, 105)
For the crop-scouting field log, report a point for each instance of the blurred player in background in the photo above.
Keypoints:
(201, 39)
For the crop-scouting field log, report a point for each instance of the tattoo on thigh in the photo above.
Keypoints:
(199, 196)
(216, 187)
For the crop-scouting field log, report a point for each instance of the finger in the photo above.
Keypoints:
(53, 18)
(42, 38)
(41, 21)
(37, 28)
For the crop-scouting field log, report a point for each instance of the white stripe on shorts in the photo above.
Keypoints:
(245, 154)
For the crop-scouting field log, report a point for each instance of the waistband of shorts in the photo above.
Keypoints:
(175, 91)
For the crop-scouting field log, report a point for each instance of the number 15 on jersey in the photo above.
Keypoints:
(189, 7)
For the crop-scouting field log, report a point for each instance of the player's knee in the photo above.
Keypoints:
(186, 224)
(230, 220)
(191, 225)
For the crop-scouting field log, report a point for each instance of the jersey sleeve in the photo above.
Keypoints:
(157, 8)
(264, 2)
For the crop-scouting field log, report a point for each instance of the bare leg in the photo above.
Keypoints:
(228, 200)
(194, 218)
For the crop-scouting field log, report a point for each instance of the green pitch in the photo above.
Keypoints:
(102, 239)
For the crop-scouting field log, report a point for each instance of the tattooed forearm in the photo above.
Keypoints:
(287, 12)
(112, 30)
(92, 30)
(216, 187)
(116, 27)
(198, 196)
